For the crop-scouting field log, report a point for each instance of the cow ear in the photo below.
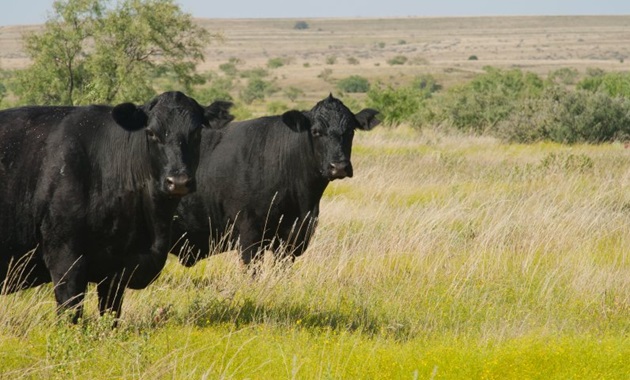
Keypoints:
(367, 119)
(217, 115)
(296, 120)
(129, 116)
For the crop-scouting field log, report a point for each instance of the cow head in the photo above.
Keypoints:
(331, 126)
(172, 123)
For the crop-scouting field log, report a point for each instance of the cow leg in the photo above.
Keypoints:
(110, 296)
(69, 276)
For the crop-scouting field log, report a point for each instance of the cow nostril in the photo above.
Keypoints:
(178, 185)
(339, 169)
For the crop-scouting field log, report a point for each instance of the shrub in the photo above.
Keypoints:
(477, 106)
(353, 61)
(325, 74)
(256, 89)
(218, 89)
(566, 76)
(331, 59)
(613, 84)
(293, 93)
(397, 105)
(301, 25)
(276, 107)
(397, 60)
(354, 83)
(473, 58)
(257, 72)
(274, 63)
(229, 68)
(568, 116)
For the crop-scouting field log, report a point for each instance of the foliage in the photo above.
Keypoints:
(92, 51)
(473, 58)
(229, 68)
(257, 72)
(397, 105)
(564, 76)
(301, 25)
(477, 106)
(353, 61)
(397, 60)
(215, 88)
(615, 84)
(354, 83)
(257, 89)
(5, 77)
(331, 59)
(293, 93)
(274, 63)
(568, 116)
(276, 107)
(325, 74)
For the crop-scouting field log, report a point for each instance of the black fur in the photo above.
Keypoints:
(86, 190)
(261, 180)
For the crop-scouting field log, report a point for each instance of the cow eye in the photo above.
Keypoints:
(317, 133)
(152, 135)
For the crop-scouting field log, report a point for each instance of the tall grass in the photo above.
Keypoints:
(444, 257)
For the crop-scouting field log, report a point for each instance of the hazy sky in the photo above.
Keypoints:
(36, 11)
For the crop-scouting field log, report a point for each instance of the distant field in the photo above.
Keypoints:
(441, 46)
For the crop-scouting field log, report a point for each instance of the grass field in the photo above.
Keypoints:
(444, 257)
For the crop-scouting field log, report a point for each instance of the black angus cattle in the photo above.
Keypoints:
(261, 181)
(87, 194)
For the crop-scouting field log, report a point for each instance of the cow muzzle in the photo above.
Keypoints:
(339, 170)
(178, 185)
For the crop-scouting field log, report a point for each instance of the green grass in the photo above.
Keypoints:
(445, 257)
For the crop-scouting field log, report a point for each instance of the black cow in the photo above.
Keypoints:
(86, 197)
(261, 180)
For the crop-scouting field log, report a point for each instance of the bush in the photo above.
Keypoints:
(325, 74)
(276, 107)
(293, 93)
(613, 84)
(397, 105)
(229, 68)
(353, 61)
(257, 72)
(398, 60)
(274, 63)
(218, 89)
(354, 83)
(256, 89)
(473, 58)
(331, 59)
(477, 106)
(568, 116)
(565, 76)
(301, 25)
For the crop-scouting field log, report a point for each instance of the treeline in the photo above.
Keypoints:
(515, 105)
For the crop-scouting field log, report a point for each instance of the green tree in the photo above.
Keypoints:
(93, 51)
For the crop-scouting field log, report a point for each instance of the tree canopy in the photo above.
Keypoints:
(93, 51)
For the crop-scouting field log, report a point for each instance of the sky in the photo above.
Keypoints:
(14, 12)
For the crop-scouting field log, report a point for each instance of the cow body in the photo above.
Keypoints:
(87, 194)
(261, 181)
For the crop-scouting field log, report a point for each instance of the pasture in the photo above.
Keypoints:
(446, 256)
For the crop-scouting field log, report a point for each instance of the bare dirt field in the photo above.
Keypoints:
(440, 46)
